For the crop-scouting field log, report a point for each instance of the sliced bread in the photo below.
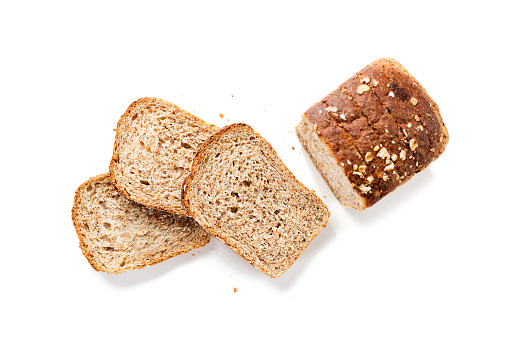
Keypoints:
(117, 234)
(154, 147)
(413, 136)
(240, 192)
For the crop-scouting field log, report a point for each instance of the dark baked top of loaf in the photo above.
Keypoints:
(390, 122)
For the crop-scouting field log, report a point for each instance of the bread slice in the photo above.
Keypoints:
(154, 147)
(117, 235)
(386, 95)
(240, 192)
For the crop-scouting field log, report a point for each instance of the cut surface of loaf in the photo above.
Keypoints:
(395, 128)
(154, 147)
(240, 192)
(117, 234)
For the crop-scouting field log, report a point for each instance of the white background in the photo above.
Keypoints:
(428, 261)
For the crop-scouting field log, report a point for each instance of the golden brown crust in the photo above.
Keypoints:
(77, 224)
(86, 250)
(122, 124)
(190, 180)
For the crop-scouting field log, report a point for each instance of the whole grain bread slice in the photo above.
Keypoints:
(154, 146)
(117, 234)
(240, 192)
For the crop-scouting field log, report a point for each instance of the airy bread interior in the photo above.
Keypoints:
(240, 192)
(154, 147)
(117, 234)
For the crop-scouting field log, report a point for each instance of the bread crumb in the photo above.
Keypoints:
(414, 101)
(235, 289)
(293, 148)
(221, 115)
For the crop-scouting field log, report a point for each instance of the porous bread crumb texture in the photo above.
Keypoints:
(117, 234)
(154, 147)
(394, 125)
(241, 193)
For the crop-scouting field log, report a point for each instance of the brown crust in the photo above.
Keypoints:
(399, 109)
(78, 226)
(121, 122)
(200, 157)
(387, 107)
(341, 145)
(392, 97)
(390, 134)
(425, 107)
(338, 148)
(365, 139)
